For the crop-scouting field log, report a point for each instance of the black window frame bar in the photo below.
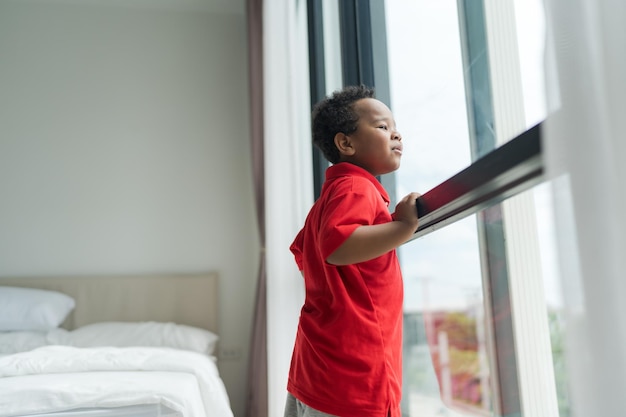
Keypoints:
(317, 81)
(508, 170)
(356, 43)
(364, 61)
(364, 45)
(364, 57)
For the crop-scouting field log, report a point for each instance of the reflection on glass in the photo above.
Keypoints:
(445, 356)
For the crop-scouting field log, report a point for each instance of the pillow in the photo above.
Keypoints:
(32, 308)
(14, 342)
(150, 333)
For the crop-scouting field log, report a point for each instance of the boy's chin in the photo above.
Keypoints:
(395, 168)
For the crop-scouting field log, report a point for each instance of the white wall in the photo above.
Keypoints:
(124, 149)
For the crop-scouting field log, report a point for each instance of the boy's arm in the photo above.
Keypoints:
(371, 241)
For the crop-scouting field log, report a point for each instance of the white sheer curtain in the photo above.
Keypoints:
(288, 179)
(585, 149)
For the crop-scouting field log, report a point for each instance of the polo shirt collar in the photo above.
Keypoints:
(343, 169)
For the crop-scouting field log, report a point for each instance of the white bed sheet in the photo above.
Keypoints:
(143, 410)
(59, 378)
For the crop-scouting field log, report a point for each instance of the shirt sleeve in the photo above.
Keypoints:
(344, 213)
(296, 249)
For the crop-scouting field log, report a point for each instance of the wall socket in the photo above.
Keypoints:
(230, 353)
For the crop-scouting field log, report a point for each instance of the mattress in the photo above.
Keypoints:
(111, 382)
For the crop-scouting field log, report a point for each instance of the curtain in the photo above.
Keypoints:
(585, 151)
(256, 404)
(282, 167)
(288, 179)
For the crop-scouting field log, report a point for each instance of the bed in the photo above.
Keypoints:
(110, 346)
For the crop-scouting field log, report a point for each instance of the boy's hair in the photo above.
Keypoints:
(335, 114)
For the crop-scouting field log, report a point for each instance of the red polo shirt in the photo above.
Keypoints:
(347, 354)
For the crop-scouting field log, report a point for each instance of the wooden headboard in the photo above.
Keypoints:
(183, 299)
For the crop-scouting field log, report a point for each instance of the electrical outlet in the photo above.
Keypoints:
(230, 353)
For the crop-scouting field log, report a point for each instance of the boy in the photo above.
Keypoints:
(347, 356)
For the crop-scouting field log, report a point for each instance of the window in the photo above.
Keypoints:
(482, 302)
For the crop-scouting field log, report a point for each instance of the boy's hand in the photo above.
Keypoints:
(406, 211)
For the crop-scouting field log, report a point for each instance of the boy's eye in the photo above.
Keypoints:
(382, 127)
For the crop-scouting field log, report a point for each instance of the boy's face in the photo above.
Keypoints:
(376, 144)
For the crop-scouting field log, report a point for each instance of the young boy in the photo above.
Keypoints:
(347, 356)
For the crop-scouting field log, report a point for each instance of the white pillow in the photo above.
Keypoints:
(149, 333)
(32, 308)
(14, 342)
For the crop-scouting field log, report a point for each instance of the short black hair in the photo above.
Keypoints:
(336, 114)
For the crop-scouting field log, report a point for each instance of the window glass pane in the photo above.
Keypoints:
(445, 355)
(467, 343)
(427, 91)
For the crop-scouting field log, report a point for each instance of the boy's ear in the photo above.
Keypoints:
(344, 144)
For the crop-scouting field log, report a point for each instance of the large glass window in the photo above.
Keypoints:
(464, 79)
(483, 311)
